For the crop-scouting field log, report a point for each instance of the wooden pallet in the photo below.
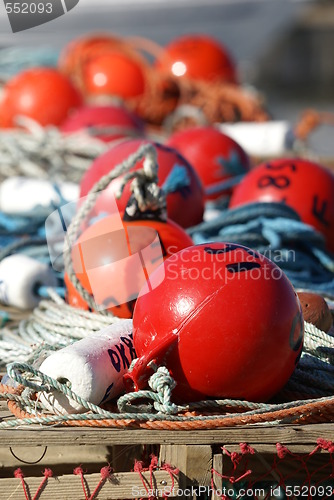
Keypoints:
(194, 453)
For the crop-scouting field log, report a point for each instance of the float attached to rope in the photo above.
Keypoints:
(93, 367)
(225, 321)
(185, 204)
(114, 258)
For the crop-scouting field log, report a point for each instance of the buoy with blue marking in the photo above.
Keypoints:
(185, 197)
(225, 321)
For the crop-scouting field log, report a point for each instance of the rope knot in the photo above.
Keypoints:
(48, 473)
(235, 459)
(282, 451)
(147, 195)
(78, 471)
(18, 474)
(106, 472)
(163, 383)
(325, 445)
(245, 448)
(161, 380)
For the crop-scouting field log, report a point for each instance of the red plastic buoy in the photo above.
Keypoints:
(114, 258)
(199, 57)
(214, 155)
(185, 206)
(43, 94)
(78, 50)
(114, 73)
(103, 64)
(106, 123)
(225, 321)
(305, 186)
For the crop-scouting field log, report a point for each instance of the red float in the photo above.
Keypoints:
(199, 57)
(113, 259)
(105, 65)
(303, 185)
(225, 321)
(109, 122)
(80, 49)
(185, 206)
(114, 73)
(214, 155)
(43, 94)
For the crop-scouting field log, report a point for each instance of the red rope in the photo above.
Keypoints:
(19, 474)
(171, 472)
(78, 471)
(47, 473)
(139, 468)
(105, 474)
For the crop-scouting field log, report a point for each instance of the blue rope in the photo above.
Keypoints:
(25, 234)
(276, 231)
(177, 180)
(16, 59)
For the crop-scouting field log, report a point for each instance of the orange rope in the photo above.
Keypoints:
(219, 101)
(10, 390)
(310, 120)
(315, 412)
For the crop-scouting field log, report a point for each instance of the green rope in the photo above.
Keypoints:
(161, 384)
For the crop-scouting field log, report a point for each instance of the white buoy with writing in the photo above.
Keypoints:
(93, 368)
(20, 278)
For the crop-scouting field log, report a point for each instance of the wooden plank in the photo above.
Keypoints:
(194, 463)
(61, 459)
(254, 435)
(217, 466)
(68, 487)
(176, 456)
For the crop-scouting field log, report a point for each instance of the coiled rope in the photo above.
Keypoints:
(46, 153)
(54, 324)
(51, 326)
(165, 414)
(276, 231)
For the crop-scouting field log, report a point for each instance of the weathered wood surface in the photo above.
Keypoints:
(302, 437)
(68, 487)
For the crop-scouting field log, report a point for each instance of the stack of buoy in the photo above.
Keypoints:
(221, 317)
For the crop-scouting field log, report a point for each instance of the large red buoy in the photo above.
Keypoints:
(305, 186)
(106, 123)
(214, 155)
(43, 94)
(185, 205)
(114, 258)
(199, 57)
(225, 321)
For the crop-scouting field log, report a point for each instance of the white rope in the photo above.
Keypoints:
(46, 153)
(52, 325)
